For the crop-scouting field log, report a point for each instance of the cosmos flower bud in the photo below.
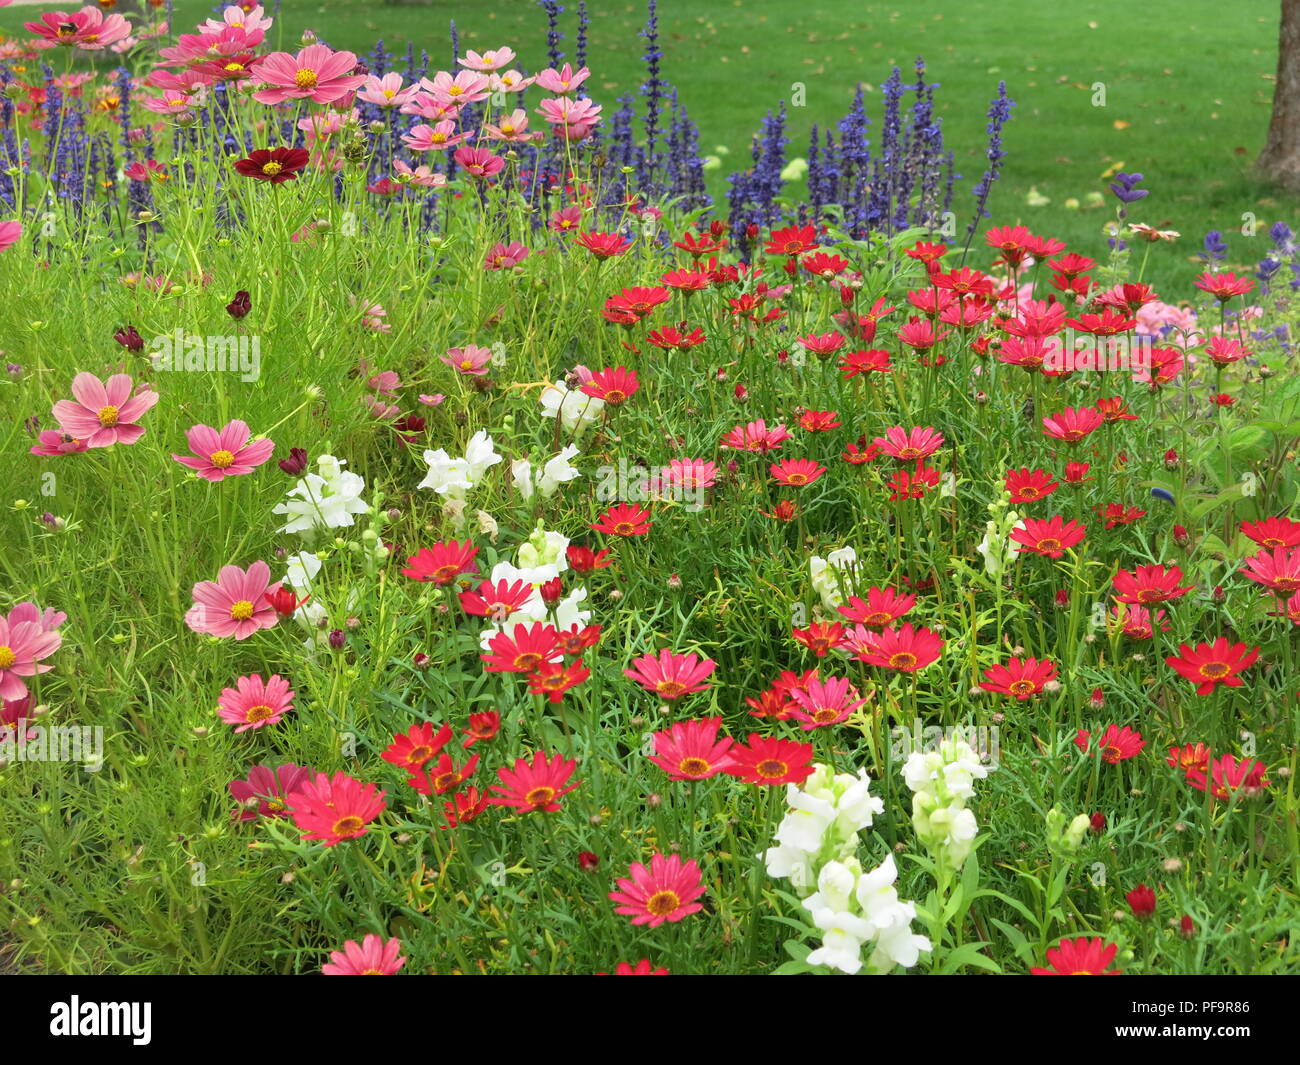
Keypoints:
(1142, 901)
(337, 639)
(129, 338)
(421, 661)
(1171, 459)
(1098, 822)
(296, 463)
(1181, 536)
(1218, 595)
(240, 305)
(1097, 699)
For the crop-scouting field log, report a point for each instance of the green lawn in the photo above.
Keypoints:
(1187, 96)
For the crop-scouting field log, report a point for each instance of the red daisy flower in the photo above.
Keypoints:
(442, 563)
(669, 675)
(821, 637)
(442, 776)
(1079, 957)
(534, 786)
(335, 808)
(691, 750)
(1022, 679)
(905, 649)
(1224, 286)
(1190, 756)
(412, 748)
(553, 679)
(521, 651)
(1073, 425)
(874, 360)
(768, 760)
(1051, 538)
(819, 421)
(666, 891)
(1116, 744)
(584, 559)
(642, 968)
(1278, 570)
(1026, 485)
(881, 606)
(482, 727)
(496, 601)
(1229, 776)
(1212, 664)
(793, 240)
(624, 519)
(604, 245)
(1273, 533)
(796, 473)
(463, 807)
(614, 386)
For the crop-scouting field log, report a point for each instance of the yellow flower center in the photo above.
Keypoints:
(7, 657)
(902, 660)
(348, 826)
(539, 796)
(662, 903)
(272, 168)
(771, 768)
(233, 67)
(670, 689)
(305, 79)
(1214, 669)
(388, 94)
(222, 459)
(241, 611)
(692, 767)
(419, 755)
(108, 416)
(255, 714)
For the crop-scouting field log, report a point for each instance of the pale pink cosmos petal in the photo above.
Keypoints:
(118, 389)
(88, 390)
(203, 440)
(234, 436)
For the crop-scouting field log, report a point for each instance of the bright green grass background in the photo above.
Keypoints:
(1194, 86)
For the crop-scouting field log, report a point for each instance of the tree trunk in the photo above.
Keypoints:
(1280, 160)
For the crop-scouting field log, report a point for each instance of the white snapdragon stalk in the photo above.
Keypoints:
(997, 548)
(852, 908)
(941, 782)
(326, 499)
(576, 410)
(454, 477)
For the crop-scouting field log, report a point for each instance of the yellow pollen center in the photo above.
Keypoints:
(348, 826)
(272, 168)
(258, 713)
(305, 79)
(241, 611)
(1214, 669)
(467, 364)
(771, 768)
(540, 796)
(233, 67)
(1049, 544)
(670, 689)
(108, 416)
(389, 94)
(528, 661)
(222, 459)
(662, 903)
(1021, 687)
(902, 660)
(824, 714)
(693, 767)
(7, 657)
(419, 755)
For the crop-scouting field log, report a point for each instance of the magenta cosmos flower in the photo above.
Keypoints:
(373, 957)
(25, 639)
(224, 453)
(664, 892)
(10, 233)
(254, 702)
(235, 604)
(316, 73)
(103, 413)
(264, 792)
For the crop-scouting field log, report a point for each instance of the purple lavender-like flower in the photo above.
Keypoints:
(1125, 188)
(999, 114)
(1214, 249)
(553, 34)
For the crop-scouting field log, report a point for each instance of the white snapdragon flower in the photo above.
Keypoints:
(555, 472)
(576, 410)
(941, 782)
(326, 499)
(454, 477)
(832, 576)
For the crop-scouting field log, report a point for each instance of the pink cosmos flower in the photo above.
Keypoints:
(421, 176)
(386, 91)
(466, 87)
(439, 138)
(226, 453)
(670, 676)
(479, 162)
(235, 17)
(265, 791)
(373, 958)
(104, 412)
(512, 128)
(53, 443)
(505, 256)
(691, 473)
(570, 117)
(562, 81)
(315, 74)
(470, 360)
(235, 603)
(10, 234)
(254, 702)
(664, 892)
(25, 639)
(493, 59)
(86, 29)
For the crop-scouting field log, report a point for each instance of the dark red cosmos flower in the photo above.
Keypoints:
(275, 165)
